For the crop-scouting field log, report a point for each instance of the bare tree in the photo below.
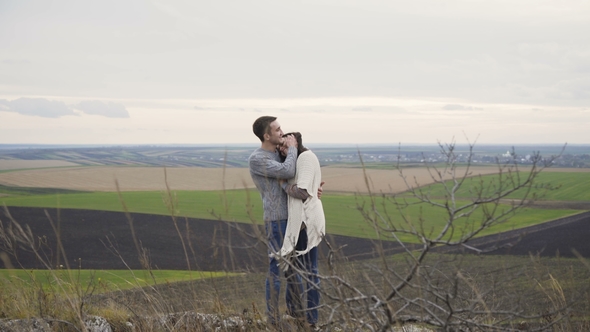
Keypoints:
(421, 285)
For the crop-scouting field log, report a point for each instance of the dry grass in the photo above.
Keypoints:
(130, 178)
(349, 180)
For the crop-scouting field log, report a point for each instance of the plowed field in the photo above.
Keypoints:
(104, 240)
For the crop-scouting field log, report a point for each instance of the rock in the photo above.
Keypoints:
(97, 324)
(92, 324)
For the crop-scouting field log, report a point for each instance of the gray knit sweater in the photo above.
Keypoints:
(266, 169)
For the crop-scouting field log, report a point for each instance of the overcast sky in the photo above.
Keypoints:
(198, 72)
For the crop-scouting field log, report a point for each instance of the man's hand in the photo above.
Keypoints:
(321, 190)
(290, 141)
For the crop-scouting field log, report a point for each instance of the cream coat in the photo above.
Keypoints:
(308, 176)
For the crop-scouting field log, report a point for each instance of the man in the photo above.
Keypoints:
(266, 170)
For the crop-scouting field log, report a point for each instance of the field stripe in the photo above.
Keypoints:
(349, 180)
(342, 211)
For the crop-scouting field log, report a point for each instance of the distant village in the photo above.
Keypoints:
(565, 160)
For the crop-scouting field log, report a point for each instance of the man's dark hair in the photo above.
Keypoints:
(300, 147)
(262, 126)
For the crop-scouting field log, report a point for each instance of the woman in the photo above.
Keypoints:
(306, 225)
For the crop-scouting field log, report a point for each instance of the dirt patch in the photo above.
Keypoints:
(568, 205)
(104, 240)
(566, 237)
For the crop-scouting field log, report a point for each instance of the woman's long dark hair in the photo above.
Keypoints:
(300, 147)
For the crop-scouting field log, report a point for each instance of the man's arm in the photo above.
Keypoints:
(264, 166)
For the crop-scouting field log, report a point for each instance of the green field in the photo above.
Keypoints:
(567, 186)
(103, 280)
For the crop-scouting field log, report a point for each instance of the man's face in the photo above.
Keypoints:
(275, 135)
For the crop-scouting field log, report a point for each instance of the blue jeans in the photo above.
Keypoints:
(308, 263)
(275, 232)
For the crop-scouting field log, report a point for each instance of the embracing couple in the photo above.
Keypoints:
(288, 177)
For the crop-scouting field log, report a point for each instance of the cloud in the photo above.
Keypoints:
(97, 107)
(455, 107)
(362, 109)
(55, 109)
(37, 107)
(200, 108)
